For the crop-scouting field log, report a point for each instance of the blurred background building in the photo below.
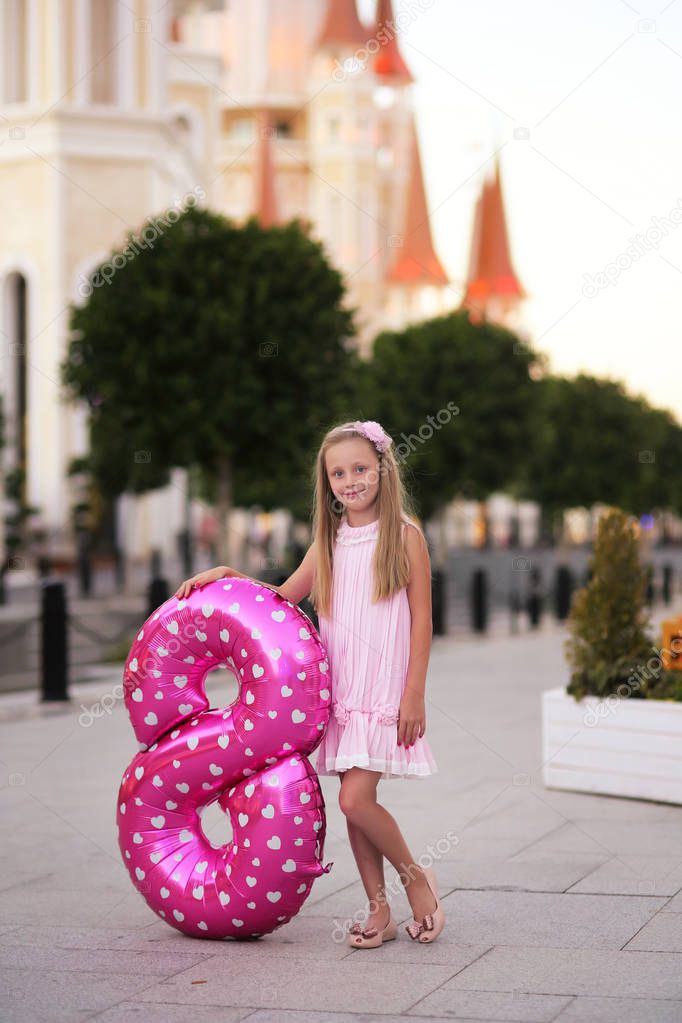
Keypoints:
(281, 108)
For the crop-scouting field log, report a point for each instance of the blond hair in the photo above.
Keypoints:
(390, 565)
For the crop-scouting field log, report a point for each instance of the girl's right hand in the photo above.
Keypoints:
(209, 576)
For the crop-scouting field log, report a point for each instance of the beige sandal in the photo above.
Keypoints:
(433, 923)
(372, 937)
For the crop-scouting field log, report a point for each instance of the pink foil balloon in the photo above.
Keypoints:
(252, 758)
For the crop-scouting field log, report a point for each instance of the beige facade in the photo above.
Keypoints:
(112, 112)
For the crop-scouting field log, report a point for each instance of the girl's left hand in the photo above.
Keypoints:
(411, 718)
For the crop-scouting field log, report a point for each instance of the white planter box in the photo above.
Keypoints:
(612, 746)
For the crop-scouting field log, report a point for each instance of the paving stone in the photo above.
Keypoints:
(53, 996)
(147, 1012)
(574, 971)
(620, 1010)
(500, 1005)
(633, 875)
(527, 918)
(542, 888)
(674, 905)
(240, 976)
(663, 933)
(285, 1016)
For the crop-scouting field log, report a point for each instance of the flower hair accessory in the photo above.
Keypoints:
(373, 432)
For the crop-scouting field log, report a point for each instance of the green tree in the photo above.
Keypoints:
(221, 347)
(594, 442)
(485, 372)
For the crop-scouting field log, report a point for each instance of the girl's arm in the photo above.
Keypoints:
(299, 584)
(419, 597)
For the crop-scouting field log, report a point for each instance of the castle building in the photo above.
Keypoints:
(112, 112)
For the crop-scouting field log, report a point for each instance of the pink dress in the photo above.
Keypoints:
(368, 647)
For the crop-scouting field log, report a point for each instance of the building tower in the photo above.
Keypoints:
(416, 278)
(493, 291)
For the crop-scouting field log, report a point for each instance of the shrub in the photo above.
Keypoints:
(609, 643)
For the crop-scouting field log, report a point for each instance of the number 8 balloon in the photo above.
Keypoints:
(251, 758)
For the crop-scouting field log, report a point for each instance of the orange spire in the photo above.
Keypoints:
(342, 25)
(491, 274)
(417, 262)
(388, 62)
(264, 180)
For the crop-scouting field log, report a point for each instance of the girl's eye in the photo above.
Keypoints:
(337, 471)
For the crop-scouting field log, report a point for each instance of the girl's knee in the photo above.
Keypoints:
(353, 801)
(347, 802)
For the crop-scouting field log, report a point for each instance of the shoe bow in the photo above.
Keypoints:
(414, 929)
(368, 932)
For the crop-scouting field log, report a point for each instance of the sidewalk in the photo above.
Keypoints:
(560, 906)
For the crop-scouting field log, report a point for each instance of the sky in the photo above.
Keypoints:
(592, 182)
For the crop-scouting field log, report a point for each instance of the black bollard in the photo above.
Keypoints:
(563, 590)
(185, 551)
(534, 598)
(155, 563)
(479, 600)
(119, 568)
(667, 589)
(514, 611)
(54, 646)
(438, 601)
(157, 594)
(84, 565)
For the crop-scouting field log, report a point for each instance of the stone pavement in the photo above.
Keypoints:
(560, 906)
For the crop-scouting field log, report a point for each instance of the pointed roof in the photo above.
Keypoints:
(265, 203)
(342, 25)
(416, 261)
(491, 273)
(388, 62)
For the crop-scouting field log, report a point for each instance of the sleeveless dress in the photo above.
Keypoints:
(368, 647)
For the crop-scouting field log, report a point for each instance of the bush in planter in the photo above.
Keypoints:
(609, 644)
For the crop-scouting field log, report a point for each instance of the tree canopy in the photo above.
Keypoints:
(418, 376)
(221, 346)
(595, 442)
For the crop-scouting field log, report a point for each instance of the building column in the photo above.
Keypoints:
(81, 49)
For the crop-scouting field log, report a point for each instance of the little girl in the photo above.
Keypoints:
(368, 575)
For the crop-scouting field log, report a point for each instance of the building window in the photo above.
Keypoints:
(103, 51)
(14, 66)
(333, 126)
(242, 129)
(363, 127)
(365, 223)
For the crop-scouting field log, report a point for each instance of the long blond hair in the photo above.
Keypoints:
(390, 565)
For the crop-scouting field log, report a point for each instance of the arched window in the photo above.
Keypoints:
(15, 395)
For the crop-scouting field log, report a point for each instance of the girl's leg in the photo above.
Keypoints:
(358, 803)
(370, 863)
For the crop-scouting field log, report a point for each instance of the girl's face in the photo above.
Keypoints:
(353, 472)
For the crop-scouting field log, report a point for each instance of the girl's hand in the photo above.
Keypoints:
(411, 718)
(209, 576)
